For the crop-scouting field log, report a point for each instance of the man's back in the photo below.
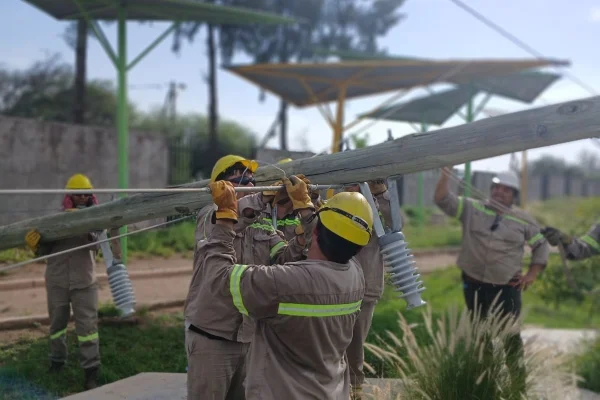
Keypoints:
(298, 350)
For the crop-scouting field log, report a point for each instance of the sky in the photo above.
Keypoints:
(436, 29)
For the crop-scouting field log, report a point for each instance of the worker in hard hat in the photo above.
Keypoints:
(576, 248)
(304, 311)
(371, 262)
(494, 236)
(217, 335)
(71, 282)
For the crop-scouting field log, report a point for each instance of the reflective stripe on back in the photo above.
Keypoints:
(318, 310)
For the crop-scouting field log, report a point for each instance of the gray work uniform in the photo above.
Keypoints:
(217, 348)
(490, 257)
(370, 260)
(586, 246)
(493, 246)
(305, 313)
(287, 225)
(71, 281)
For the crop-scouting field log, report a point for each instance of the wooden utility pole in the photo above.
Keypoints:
(490, 137)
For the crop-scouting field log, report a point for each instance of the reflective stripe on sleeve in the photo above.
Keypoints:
(535, 239)
(235, 289)
(459, 210)
(276, 249)
(591, 242)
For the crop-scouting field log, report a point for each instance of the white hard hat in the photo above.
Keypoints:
(507, 179)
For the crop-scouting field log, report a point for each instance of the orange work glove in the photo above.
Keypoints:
(377, 187)
(224, 196)
(298, 191)
(273, 196)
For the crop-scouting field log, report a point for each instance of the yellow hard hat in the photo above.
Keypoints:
(79, 181)
(225, 162)
(348, 215)
(285, 160)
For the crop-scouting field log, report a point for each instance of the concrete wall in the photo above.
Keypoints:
(44, 155)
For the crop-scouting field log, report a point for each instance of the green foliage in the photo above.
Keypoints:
(359, 142)
(432, 236)
(573, 215)
(189, 142)
(587, 362)
(157, 345)
(44, 92)
(178, 238)
(555, 288)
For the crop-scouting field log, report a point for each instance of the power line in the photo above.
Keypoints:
(520, 43)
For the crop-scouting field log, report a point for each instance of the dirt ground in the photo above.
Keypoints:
(32, 301)
(154, 263)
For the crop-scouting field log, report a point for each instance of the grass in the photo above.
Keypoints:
(156, 345)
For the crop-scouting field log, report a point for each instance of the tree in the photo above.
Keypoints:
(348, 25)
(189, 31)
(76, 36)
(191, 153)
(44, 91)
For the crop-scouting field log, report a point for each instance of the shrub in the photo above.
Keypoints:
(458, 361)
(554, 287)
(588, 365)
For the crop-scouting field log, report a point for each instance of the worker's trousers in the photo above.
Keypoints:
(216, 368)
(85, 311)
(355, 351)
(483, 295)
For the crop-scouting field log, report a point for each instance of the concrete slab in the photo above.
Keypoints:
(564, 340)
(144, 386)
(168, 386)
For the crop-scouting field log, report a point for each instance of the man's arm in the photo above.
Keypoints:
(448, 202)
(252, 288)
(576, 248)
(586, 246)
(540, 250)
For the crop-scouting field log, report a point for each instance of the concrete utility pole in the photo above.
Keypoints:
(490, 137)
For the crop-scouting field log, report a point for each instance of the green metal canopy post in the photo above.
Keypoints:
(124, 10)
(468, 119)
(420, 190)
(122, 114)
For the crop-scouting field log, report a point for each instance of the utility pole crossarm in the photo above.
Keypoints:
(490, 137)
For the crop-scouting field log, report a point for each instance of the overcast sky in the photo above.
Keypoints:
(433, 28)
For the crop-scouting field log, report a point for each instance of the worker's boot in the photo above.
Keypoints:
(56, 367)
(91, 378)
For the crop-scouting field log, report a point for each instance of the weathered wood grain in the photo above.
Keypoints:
(534, 128)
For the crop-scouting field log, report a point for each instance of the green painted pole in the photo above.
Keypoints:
(420, 191)
(470, 117)
(122, 134)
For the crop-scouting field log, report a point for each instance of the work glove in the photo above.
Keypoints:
(297, 190)
(32, 240)
(377, 187)
(71, 209)
(270, 194)
(554, 236)
(224, 196)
